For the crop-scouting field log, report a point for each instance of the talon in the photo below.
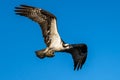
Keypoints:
(49, 55)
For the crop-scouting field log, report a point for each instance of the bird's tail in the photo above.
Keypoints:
(40, 53)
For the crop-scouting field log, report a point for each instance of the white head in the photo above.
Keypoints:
(66, 46)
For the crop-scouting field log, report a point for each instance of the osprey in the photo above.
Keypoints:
(54, 43)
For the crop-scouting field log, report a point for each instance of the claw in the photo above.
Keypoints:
(49, 55)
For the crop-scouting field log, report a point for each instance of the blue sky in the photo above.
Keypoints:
(94, 22)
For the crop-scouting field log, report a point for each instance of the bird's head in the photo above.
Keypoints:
(66, 46)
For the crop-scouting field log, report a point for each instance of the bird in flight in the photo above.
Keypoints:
(54, 42)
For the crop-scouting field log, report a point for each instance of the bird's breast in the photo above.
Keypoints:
(56, 43)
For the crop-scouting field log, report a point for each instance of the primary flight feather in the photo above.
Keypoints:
(54, 43)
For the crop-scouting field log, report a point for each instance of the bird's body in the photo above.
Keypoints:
(54, 43)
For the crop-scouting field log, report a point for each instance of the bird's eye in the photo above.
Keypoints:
(65, 45)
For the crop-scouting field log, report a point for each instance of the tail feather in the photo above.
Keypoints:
(40, 53)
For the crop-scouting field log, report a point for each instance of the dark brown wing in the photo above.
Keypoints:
(46, 20)
(79, 55)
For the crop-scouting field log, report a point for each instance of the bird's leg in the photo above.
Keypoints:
(50, 53)
(45, 53)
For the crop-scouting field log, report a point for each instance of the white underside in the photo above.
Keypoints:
(56, 43)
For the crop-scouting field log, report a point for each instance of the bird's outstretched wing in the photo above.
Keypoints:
(79, 55)
(46, 20)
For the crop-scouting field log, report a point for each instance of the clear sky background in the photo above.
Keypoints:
(94, 22)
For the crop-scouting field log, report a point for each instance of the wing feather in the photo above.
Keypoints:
(79, 55)
(45, 19)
